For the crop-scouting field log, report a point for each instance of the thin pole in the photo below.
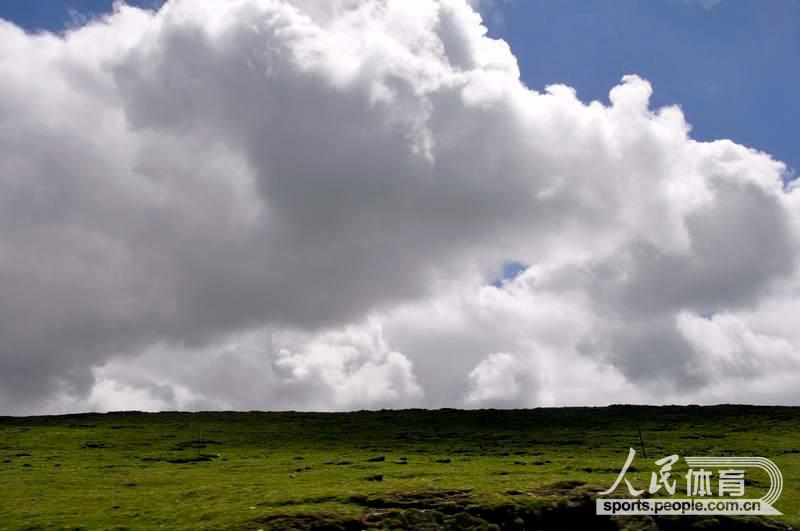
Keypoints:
(641, 440)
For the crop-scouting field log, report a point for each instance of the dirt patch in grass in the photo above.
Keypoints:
(196, 459)
(197, 444)
(202, 458)
(307, 522)
(556, 507)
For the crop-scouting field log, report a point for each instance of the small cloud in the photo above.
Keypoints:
(495, 379)
(790, 178)
(76, 19)
(707, 4)
(491, 10)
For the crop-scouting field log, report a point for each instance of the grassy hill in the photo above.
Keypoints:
(487, 469)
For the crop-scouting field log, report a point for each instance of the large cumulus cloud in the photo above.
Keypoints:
(304, 204)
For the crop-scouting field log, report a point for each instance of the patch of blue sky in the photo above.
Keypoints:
(511, 270)
(730, 64)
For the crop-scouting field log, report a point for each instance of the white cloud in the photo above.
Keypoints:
(709, 4)
(349, 369)
(275, 204)
(496, 379)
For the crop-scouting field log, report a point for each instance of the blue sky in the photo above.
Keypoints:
(731, 64)
(54, 15)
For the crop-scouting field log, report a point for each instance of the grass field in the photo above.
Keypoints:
(417, 469)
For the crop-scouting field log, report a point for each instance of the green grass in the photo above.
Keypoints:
(386, 469)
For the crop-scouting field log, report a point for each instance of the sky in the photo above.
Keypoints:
(295, 204)
(731, 65)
